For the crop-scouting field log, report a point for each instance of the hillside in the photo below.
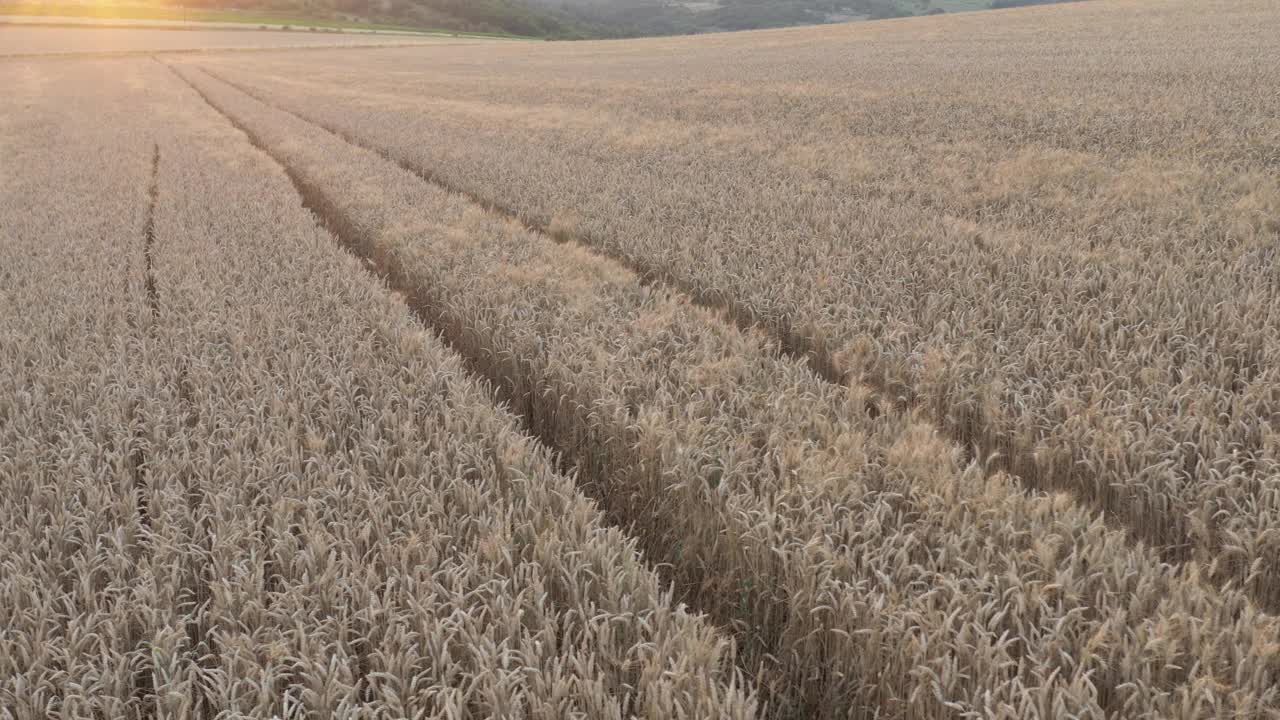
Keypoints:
(514, 17)
(509, 16)
(663, 17)
(556, 19)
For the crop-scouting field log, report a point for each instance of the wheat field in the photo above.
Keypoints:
(21, 40)
(922, 368)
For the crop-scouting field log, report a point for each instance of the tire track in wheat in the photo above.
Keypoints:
(995, 452)
(350, 238)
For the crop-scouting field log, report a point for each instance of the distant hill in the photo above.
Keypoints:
(558, 19)
(654, 17)
(658, 17)
(516, 17)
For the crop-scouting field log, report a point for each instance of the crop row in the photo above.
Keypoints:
(71, 233)
(28, 42)
(1071, 269)
(277, 494)
(861, 568)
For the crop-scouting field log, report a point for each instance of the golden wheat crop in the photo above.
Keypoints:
(827, 532)
(18, 40)
(1054, 230)
(261, 488)
(898, 370)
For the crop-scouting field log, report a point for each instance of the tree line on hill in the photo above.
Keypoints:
(576, 19)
